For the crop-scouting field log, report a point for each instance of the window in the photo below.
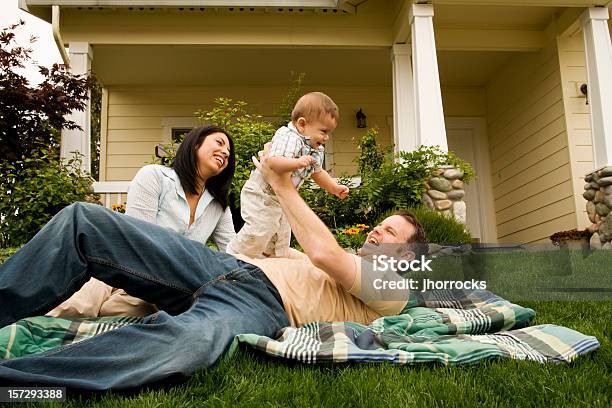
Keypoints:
(174, 127)
(178, 133)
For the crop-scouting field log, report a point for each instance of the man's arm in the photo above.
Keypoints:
(312, 234)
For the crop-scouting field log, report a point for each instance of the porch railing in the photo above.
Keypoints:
(111, 192)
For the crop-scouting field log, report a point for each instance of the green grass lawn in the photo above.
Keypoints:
(252, 379)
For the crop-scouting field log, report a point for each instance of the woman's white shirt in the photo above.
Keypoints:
(156, 195)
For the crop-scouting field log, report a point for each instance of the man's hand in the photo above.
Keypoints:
(341, 191)
(274, 178)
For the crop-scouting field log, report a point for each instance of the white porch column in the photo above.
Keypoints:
(598, 48)
(79, 140)
(427, 93)
(404, 129)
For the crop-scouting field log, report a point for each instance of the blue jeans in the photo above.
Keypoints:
(205, 299)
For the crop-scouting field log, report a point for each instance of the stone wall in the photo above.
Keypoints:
(598, 193)
(445, 193)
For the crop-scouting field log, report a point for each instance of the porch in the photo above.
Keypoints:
(508, 88)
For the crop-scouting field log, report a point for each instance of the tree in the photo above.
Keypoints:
(31, 118)
(34, 183)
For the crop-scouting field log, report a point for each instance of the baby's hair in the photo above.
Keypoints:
(314, 105)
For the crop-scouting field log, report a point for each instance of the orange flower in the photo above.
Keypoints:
(118, 207)
(354, 230)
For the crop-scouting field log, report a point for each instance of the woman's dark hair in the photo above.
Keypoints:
(186, 165)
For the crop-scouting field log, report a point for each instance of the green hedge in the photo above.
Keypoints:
(5, 253)
(30, 197)
(441, 229)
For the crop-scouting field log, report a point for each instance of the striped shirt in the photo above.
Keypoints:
(288, 142)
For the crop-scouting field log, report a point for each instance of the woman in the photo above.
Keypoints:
(191, 198)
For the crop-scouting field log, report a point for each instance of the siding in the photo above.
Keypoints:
(578, 120)
(530, 170)
(137, 118)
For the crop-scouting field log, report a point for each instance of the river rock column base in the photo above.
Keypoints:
(598, 193)
(445, 193)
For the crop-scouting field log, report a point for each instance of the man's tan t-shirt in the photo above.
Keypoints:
(309, 294)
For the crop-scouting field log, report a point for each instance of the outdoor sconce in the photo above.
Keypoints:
(584, 89)
(161, 152)
(361, 119)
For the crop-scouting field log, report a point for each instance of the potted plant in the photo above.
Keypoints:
(572, 239)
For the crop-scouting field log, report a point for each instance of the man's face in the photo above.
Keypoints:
(317, 131)
(392, 230)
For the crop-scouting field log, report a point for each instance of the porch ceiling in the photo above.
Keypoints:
(470, 68)
(218, 66)
(487, 16)
(243, 66)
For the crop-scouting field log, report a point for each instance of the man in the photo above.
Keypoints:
(205, 297)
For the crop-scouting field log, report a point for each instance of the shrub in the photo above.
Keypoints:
(333, 211)
(397, 181)
(371, 155)
(394, 184)
(441, 229)
(44, 186)
(6, 253)
(248, 131)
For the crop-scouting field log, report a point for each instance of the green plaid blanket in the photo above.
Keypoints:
(41, 333)
(451, 327)
(447, 326)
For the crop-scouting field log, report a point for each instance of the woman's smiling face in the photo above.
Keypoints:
(213, 154)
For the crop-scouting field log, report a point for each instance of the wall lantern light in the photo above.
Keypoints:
(584, 89)
(361, 119)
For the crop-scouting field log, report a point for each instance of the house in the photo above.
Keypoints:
(520, 88)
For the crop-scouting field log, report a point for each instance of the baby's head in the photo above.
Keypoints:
(315, 116)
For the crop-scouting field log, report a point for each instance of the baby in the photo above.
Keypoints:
(297, 147)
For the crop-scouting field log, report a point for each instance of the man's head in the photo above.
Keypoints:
(315, 116)
(399, 232)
